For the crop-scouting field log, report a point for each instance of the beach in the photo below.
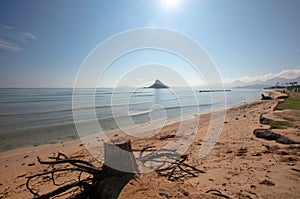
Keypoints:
(163, 99)
(239, 166)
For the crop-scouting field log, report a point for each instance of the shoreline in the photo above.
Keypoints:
(170, 121)
(237, 166)
(13, 137)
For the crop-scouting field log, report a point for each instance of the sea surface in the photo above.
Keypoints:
(31, 117)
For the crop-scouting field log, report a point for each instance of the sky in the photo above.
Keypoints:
(44, 43)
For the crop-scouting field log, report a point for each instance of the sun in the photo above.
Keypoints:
(171, 4)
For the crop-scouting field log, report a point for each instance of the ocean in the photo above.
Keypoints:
(31, 117)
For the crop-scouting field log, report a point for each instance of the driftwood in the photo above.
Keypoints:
(118, 169)
(98, 183)
(77, 165)
(217, 193)
(171, 164)
(179, 170)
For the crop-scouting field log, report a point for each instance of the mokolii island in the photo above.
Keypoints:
(158, 84)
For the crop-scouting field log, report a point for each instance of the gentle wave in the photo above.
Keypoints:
(135, 113)
(35, 116)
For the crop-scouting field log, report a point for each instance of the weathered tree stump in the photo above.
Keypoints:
(119, 168)
(105, 183)
(118, 158)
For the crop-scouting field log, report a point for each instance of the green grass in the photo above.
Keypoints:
(279, 124)
(293, 102)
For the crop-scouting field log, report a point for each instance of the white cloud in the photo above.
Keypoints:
(6, 27)
(288, 74)
(11, 39)
(7, 46)
(29, 35)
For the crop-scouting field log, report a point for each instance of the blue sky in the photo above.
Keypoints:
(43, 43)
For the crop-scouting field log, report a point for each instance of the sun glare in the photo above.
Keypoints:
(170, 4)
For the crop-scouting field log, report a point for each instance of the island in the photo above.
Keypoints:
(158, 84)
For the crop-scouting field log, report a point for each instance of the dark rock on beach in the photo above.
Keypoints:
(282, 97)
(263, 97)
(285, 140)
(31, 164)
(267, 182)
(264, 120)
(266, 134)
(270, 135)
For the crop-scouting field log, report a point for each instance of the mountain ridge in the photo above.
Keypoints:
(263, 84)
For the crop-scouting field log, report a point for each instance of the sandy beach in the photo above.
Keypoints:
(143, 99)
(239, 166)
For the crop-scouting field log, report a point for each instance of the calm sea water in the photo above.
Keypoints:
(30, 117)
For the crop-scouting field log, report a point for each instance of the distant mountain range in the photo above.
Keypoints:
(259, 84)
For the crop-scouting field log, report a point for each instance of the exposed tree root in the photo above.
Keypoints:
(173, 167)
(80, 166)
(92, 183)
